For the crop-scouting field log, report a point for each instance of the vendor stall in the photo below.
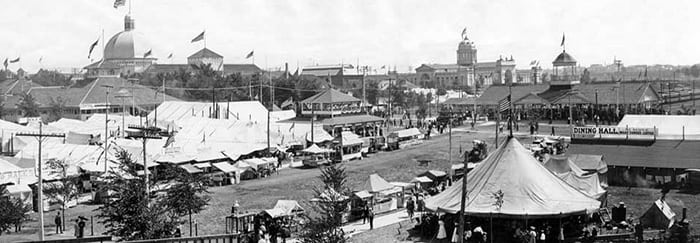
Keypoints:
(404, 138)
(314, 156)
(227, 174)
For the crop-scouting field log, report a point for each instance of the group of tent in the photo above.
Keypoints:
(510, 182)
(238, 129)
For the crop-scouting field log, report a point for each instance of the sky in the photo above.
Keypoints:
(401, 33)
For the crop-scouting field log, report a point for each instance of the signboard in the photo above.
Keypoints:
(611, 132)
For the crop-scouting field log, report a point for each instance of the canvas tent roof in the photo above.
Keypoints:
(407, 132)
(225, 167)
(350, 138)
(526, 186)
(314, 149)
(289, 207)
(658, 216)
(422, 179)
(190, 168)
(376, 184)
(592, 162)
(434, 174)
(564, 168)
(668, 127)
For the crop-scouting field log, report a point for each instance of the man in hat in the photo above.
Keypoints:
(58, 222)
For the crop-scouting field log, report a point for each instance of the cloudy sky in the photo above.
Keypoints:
(404, 33)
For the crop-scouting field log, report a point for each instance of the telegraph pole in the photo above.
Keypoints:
(146, 133)
(40, 137)
(108, 88)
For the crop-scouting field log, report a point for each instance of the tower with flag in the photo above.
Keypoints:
(126, 52)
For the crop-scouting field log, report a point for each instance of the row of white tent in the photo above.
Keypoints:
(241, 128)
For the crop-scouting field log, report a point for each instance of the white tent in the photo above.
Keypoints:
(564, 168)
(512, 183)
(668, 127)
(314, 149)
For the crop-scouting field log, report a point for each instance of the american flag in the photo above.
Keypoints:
(504, 104)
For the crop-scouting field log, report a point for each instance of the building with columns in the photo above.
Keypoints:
(468, 71)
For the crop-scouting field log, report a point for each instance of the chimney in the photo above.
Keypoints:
(286, 70)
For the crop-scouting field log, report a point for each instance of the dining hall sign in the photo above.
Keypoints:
(613, 132)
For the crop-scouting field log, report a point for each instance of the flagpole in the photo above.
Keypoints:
(510, 106)
(204, 37)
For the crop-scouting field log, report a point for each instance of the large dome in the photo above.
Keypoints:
(120, 46)
(126, 44)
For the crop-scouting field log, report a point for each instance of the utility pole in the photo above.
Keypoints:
(40, 137)
(272, 104)
(107, 107)
(146, 133)
(122, 94)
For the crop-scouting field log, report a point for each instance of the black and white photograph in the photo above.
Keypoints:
(334, 121)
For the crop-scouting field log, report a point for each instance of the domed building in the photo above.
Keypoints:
(122, 54)
(468, 72)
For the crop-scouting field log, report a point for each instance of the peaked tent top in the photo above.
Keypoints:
(521, 185)
(376, 184)
(330, 96)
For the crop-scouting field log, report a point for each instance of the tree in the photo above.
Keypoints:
(28, 106)
(129, 213)
(326, 227)
(441, 91)
(50, 78)
(56, 109)
(65, 189)
(185, 197)
(586, 76)
(13, 211)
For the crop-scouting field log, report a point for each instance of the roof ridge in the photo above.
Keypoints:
(88, 92)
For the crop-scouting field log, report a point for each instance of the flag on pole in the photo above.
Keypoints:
(170, 56)
(250, 54)
(92, 47)
(464, 33)
(16, 60)
(563, 38)
(533, 62)
(198, 38)
(41, 59)
(504, 104)
(148, 53)
(119, 3)
(384, 67)
(5, 63)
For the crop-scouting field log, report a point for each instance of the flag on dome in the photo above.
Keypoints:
(119, 3)
(250, 54)
(563, 38)
(148, 53)
(198, 38)
(92, 47)
(170, 56)
(16, 60)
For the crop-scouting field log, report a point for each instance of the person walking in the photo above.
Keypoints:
(441, 234)
(365, 212)
(59, 223)
(410, 206)
(370, 214)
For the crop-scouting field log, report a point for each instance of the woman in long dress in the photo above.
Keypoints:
(455, 234)
(441, 235)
